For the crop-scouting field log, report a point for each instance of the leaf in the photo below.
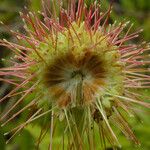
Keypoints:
(25, 141)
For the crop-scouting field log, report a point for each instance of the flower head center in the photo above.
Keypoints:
(78, 73)
(78, 79)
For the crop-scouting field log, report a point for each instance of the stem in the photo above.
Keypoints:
(70, 128)
(91, 142)
(79, 90)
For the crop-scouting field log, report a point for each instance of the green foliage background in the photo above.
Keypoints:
(137, 11)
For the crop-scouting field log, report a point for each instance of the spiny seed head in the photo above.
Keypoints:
(78, 68)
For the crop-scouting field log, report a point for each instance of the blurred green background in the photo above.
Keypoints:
(137, 11)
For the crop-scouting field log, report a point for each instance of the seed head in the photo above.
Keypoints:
(80, 70)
